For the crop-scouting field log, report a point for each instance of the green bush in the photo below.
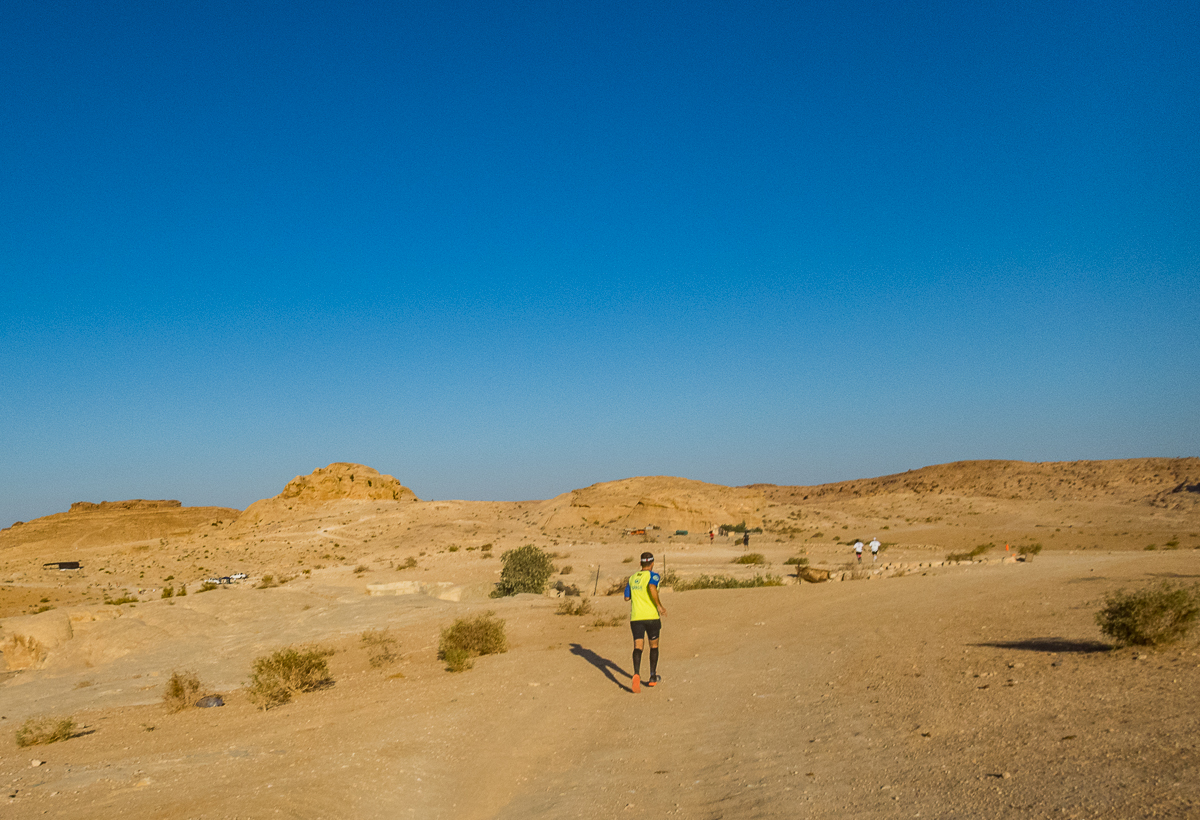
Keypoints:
(526, 569)
(727, 582)
(168, 592)
(468, 638)
(180, 691)
(39, 731)
(277, 677)
(756, 558)
(1156, 615)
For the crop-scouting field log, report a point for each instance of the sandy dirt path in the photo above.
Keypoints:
(973, 691)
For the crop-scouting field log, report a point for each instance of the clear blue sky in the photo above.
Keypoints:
(506, 250)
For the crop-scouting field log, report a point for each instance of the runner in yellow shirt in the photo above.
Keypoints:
(645, 618)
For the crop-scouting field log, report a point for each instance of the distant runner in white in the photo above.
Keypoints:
(874, 548)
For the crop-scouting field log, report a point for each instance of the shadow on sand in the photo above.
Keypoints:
(603, 664)
(1063, 645)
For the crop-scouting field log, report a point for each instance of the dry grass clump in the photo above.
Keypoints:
(754, 558)
(797, 561)
(615, 620)
(468, 638)
(1154, 616)
(39, 731)
(181, 690)
(381, 647)
(727, 582)
(277, 677)
(577, 606)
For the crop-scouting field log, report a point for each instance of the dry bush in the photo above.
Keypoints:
(468, 638)
(277, 677)
(616, 587)
(578, 606)
(381, 647)
(39, 731)
(797, 560)
(727, 582)
(615, 620)
(181, 690)
(755, 558)
(1154, 616)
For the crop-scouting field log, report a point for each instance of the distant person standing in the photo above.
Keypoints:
(858, 548)
(874, 548)
(711, 535)
(746, 538)
(645, 619)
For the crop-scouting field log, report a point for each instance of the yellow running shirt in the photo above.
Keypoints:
(638, 591)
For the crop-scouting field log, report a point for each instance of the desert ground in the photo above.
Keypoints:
(910, 687)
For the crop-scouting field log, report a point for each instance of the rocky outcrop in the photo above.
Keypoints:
(26, 641)
(132, 504)
(344, 480)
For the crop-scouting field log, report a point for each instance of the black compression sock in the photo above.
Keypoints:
(637, 661)
(653, 661)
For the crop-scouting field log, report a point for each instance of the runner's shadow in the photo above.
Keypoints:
(603, 664)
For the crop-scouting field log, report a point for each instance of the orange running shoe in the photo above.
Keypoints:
(637, 684)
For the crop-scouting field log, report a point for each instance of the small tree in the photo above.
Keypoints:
(1155, 615)
(526, 569)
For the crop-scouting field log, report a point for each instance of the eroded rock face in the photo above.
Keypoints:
(132, 504)
(345, 480)
(26, 641)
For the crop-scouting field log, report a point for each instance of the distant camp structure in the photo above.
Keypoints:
(62, 565)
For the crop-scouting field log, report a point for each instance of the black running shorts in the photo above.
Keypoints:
(643, 629)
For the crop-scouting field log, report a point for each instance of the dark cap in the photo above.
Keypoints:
(647, 558)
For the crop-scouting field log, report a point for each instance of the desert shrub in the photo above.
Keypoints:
(276, 678)
(486, 548)
(381, 647)
(1029, 549)
(666, 579)
(615, 620)
(972, 555)
(180, 691)
(182, 590)
(756, 558)
(627, 559)
(409, 563)
(267, 582)
(567, 570)
(526, 569)
(124, 599)
(616, 587)
(168, 592)
(1156, 615)
(797, 560)
(207, 586)
(360, 569)
(452, 548)
(39, 731)
(468, 638)
(727, 582)
(579, 606)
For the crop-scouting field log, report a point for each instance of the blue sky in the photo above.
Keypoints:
(506, 250)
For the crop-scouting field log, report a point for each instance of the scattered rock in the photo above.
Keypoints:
(209, 701)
